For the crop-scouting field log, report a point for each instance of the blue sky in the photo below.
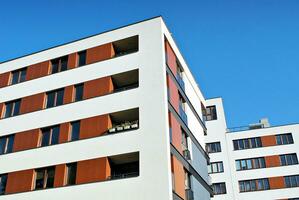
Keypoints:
(244, 51)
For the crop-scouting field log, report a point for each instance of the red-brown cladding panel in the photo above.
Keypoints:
(32, 103)
(64, 132)
(98, 87)
(20, 181)
(2, 108)
(38, 70)
(26, 140)
(94, 126)
(99, 53)
(174, 94)
(272, 161)
(268, 140)
(171, 58)
(176, 133)
(60, 173)
(276, 182)
(4, 79)
(72, 61)
(93, 170)
(68, 94)
(179, 178)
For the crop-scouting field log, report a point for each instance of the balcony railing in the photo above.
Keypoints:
(183, 114)
(181, 82)
(129, 125)
(125, 175)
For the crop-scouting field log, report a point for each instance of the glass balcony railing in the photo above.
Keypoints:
(183, 114)
(181, 82)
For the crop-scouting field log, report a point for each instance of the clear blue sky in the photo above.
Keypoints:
(244, 51)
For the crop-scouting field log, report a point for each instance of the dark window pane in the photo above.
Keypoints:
(55, 135)
(79, 92)
(23, 75)
(71, 173)
(46, 137)
(290, 138)
(295, 159)
(8, 109)
(16, 107)
(253, 185)
(284, 139)
(287, 181)
(64, 63)
(55, 64)
(246, 145)
(3, 181)
(2, 145)
(253, 143)
(10, 144)
(50, 178)
(262, 162)
(50, 99)
(293, 181)
(59, 97)
(238, 165)
(289, 159)
(241, 144)
(258, 142)
(75, 131)
(241, 186)
(39, 180)
(282, 160)
(82, 58)
(266, 184)
(278, 139)
(15, 77)
(236, 146)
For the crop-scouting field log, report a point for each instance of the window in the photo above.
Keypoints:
(12, 108)
(254, 185)
(213, 147)
(6, 144)
(78, 92)
(251, 163)
(71, 173)
(18, 76)
(248, 143)
(187, 180)
(81, 58)
(44, 178)
(288, 159)
(284, 139)
(75, 131)
(59, 64)
(215, 167)
(50, 136)
(55, 98)
(184, 140)
(210, 113)
(219, 188)
(291, 181)
(3, 181)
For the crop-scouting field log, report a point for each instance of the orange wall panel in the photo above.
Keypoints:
(33, 103)
(94, 126)
(4, 79)
(26, 140)
(64, 132)
(174, 94)
(20, 181)
(179, 177)
(2, 108)
(68, 94)
(98, 87)
(171, 58)
(99, 53)
(176, 133)
(268, 140)
(60, 173)
(272, 161)
(72, 61)
(276, 182)
(93, 170)
(38, 70)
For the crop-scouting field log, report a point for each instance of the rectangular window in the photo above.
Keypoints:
(55, 98)
(12, 108)
(291, 181)
(213, 147)
(215, 167)
(251, 163)
(6, 144)
(75, 131)
(81, 58)
(78, 92)
(248, 143)
(71, 173)
(288, 159)
(284, 139)
(3, 181)
(210, 113)
(254, 185)
(18, 76)
(50, 136)
(219, 188)
(44, 178)
(59, 64)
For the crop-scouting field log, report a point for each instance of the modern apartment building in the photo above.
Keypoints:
(117, 115)
(252, 162)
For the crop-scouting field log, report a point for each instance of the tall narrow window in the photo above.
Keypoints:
(81, 58)
(75, 131)
(71, 173)
(44, 178)
(12, 108)
(18, 76)
(50, 136)
(3, 181)
(59, 64)
(78, 92)
(6, 144)
(55, 98)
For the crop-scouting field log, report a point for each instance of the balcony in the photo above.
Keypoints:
(181, 82)
(125, 81)
(125, 46)
(124, 121)
(183, 114)
(124, 166)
